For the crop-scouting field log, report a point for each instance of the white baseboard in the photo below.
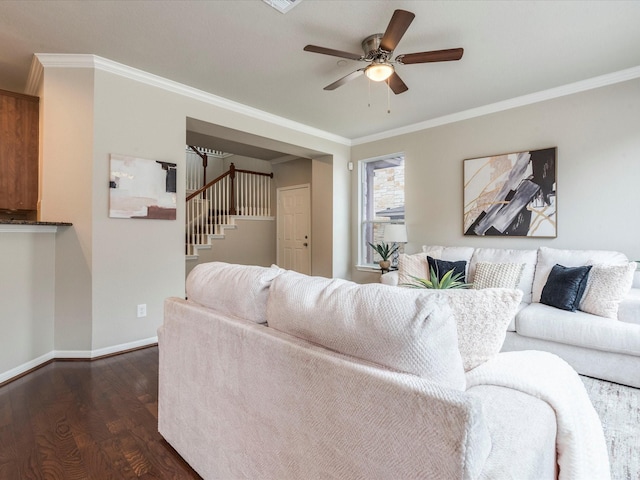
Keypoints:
(25, 367)
(76, 354)
(100, 352)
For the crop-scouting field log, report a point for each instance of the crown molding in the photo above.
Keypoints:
(53, 60)
(530, 99)
(47, 60)
(35, 76)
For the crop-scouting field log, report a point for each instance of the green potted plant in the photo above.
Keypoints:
(448, 280)
(385, 251)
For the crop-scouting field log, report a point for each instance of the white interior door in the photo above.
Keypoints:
(294, 228)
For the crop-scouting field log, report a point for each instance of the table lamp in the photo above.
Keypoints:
(395, 233)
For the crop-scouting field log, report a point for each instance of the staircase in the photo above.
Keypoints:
(214, 208)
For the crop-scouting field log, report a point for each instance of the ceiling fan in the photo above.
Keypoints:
(378, 50)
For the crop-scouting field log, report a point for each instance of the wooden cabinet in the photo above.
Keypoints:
(18, 151)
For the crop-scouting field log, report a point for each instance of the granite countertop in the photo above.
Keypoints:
(32, 222)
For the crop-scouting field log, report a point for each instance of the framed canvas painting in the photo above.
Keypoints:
(142, 188)
(511, 195)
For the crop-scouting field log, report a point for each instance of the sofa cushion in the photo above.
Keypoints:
(412, 266)
(451, 254)
(565, 287)
(403, 329)
(578, 328)
(607, 286)
(482, 317)
(236, 290)
(503, 255)
(548, 257)
(497, 275)
(512, 324)
(434, 250)
(629, 308)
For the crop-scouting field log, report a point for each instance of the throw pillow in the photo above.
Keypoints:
(237, 290)
(443, 266)
(412, 266)
(482, 317)
(565, 287)
(402, 329)
(548, 257)
(606, 288)
(497, 275)
(505, 255)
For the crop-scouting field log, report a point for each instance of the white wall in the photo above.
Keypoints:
(27, 280)
(135, 261)
(294, 172)
(66, 169)
(598, 170)
(325, 260)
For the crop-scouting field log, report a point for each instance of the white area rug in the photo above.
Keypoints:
(619, 409)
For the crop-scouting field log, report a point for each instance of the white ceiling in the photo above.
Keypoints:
(250, 53)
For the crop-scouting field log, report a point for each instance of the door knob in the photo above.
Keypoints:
(305, 244)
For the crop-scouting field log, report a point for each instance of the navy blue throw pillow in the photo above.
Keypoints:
(565, 287)
(442, 266)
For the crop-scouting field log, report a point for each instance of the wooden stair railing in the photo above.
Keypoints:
(235, 192)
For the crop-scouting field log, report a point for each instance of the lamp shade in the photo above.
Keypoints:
(395, 233)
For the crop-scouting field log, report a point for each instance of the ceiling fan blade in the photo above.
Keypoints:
(433, 56)
(334, 53)
(344, 80)
(396, 84)
(398, 25)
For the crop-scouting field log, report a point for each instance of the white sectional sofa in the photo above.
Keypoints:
(604, 345)
(270, 374)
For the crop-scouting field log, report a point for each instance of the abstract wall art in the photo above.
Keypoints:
(511, 195)
(142, 188)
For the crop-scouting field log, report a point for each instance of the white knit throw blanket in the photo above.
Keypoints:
(581, 448)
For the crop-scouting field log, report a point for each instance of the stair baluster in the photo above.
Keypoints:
(214, 207)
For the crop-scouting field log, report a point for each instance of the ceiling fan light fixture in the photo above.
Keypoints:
(379, 72)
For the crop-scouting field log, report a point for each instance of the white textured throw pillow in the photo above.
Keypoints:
(505, 255)
(482, 317)
(412, 266)
(237, 290)
(607, 286)
(399, 328)
(497, 275)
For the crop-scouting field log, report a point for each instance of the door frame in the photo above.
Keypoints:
(306, 186)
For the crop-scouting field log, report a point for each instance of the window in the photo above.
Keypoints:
(381, 201)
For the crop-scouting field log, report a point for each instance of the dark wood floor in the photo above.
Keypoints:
(87, 420)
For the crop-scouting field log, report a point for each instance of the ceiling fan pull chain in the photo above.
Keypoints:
(369, 92)
(388, 97)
